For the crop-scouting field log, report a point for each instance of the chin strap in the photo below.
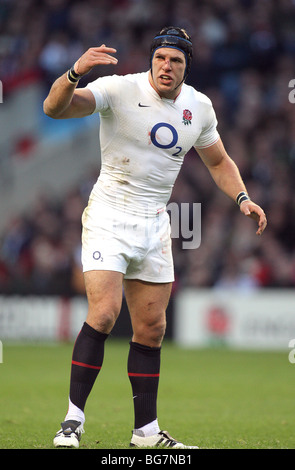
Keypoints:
(180, 83)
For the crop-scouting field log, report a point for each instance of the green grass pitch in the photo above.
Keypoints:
(215, 398)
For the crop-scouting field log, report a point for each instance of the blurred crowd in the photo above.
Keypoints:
(244, 53)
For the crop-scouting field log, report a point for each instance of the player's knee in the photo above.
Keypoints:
(152, 333)
(103, 318)
(158, 334)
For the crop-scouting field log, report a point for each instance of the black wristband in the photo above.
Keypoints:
(241, 197)
(73, 77)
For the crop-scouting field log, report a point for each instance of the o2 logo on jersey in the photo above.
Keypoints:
(97, 256)
(165, 136)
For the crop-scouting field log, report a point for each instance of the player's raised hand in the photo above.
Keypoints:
(254, 211)
(95, 56)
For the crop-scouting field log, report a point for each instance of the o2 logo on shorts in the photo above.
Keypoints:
(173, 137)
(97, 256)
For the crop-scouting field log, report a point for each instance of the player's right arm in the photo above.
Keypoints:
(65, 100)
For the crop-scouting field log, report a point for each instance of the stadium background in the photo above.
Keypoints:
(244, 61)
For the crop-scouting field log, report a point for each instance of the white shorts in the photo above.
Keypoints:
(137, 246)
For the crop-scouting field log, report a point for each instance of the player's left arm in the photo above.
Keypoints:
(226, 175)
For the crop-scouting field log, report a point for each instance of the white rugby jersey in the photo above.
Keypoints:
(144, 139)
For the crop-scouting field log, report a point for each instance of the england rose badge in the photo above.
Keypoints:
(187, 117)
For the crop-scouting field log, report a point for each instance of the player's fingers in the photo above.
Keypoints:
(262, 224)
(93, 57)
(256, 213)
(103, 59)
(101, 54)
(260, 218)
(104, 48)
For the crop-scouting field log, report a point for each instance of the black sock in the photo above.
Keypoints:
(86, 363)
(143, 373)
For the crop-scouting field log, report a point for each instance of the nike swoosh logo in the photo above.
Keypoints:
(143, 105)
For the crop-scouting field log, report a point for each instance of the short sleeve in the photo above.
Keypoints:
(99, 90)
(209, 134)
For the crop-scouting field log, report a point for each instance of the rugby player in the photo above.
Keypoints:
(148, 122)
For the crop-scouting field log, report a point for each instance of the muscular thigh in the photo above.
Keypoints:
(147, 303)
(104, 294)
